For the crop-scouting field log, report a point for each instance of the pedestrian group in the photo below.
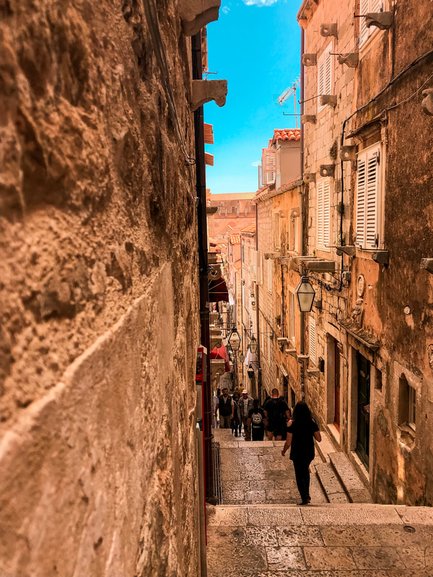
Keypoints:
(245, 417)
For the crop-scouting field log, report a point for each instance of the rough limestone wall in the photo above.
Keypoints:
(97, 292)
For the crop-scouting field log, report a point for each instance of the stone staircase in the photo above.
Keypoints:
(258, 531)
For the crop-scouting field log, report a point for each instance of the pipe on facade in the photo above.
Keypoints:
(203, 271)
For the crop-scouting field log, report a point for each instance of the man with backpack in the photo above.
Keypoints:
(256, 421)
(277, 414)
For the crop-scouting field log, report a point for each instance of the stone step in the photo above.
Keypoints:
(349, 478)
(330, 483)
(325, 446)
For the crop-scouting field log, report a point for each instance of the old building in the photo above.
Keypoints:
(99, 287)
(280, 167)
(367, 132)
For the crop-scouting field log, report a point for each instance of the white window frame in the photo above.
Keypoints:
(369, 195)
(366, 6)
(325, 74)
(312, 340)
(323, 214)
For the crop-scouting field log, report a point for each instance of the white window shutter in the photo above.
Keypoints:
(319, 219)
(312, 340)
(326, 213)
(364, 8)
(360, 201)
(328, 72)
(371, 237)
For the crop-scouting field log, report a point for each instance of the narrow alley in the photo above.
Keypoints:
(258, 531)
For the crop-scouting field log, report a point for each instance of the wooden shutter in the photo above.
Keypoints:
(371, 232)
(360, 201)
(323, 214)
(364, 6)
(312, 339)
(269, 167)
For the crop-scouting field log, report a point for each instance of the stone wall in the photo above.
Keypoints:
(98, 291)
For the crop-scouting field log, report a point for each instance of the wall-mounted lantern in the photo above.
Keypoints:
(253, 345)
(234, 340)
(309, 59)
(328, 99)
(305, 294)
(329, 30)
(327, 170)
(348, 152)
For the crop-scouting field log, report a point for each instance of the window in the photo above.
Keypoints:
(276, 229)
(323, 214)
(407, 403)
(312, 339)
(268, 166)
(366, 6)
(291, 326)
(324, 74)
(368, 198)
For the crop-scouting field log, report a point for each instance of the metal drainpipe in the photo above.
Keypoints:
(304, 220)
(203, 271)
(259, 373)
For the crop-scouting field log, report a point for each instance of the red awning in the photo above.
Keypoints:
(218, 291)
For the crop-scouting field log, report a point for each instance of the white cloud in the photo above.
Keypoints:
(225, 9)
(256, 163)
(260, 3)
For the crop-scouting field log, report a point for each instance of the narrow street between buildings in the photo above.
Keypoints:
(259, 531)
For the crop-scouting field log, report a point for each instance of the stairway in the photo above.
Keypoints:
(258, 531)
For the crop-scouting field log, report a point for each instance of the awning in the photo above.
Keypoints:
(218, 291)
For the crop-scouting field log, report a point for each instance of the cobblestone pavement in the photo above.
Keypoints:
(320, 540)
(256, 472)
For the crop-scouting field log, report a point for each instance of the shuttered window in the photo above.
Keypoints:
(366, 6)
(276, 230)
(325, 74)
(368, 198)
(312, 340)
(268, 166)
(323, 214)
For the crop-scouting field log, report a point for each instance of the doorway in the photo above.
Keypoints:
(363, 409)
(334, 383)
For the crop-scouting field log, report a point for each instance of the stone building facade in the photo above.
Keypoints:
(280, 166)
(99, 305)
(368, 183)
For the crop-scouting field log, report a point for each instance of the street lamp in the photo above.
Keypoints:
(253, 345)
(234, 340)
(305, 294)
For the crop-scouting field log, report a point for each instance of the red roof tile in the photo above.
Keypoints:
(293, 134)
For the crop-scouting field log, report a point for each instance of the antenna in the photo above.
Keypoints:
(290, 91)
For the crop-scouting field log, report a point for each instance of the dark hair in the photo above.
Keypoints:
(302, 413)
(275, 391)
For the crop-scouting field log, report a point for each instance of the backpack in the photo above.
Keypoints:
(257, 419)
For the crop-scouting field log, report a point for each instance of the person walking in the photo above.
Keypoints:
(225, 407)
(301, 432)
(236, 422)
(245, 406)
(277, 413)
(256, 421)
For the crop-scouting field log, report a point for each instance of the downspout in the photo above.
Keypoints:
(304, 205)
(203, 271)
(259, 370)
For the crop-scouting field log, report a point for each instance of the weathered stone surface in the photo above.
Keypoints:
(329, 558)
(98, 290)
(285, 558)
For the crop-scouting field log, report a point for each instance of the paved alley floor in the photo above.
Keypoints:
(256, 472)
(253, 538)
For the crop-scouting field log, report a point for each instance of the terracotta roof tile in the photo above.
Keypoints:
(293, 134)
(209, 159)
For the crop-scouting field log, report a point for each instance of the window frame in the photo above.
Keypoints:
(366, 6)
(323, 214)
(369, 198)
(325, 67)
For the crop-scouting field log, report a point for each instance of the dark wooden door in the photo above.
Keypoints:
(363, 409)
(336, 385)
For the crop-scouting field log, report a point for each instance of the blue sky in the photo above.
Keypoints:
(255, 46)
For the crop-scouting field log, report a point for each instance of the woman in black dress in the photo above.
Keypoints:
(301, 432)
